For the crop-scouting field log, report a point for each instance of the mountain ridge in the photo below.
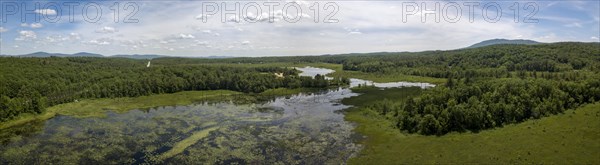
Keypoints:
(499, 41)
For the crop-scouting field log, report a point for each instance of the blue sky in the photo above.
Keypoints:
(177, 27)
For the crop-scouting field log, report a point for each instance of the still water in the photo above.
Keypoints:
(305, 128)
(354, 82)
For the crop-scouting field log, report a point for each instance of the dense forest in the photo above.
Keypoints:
(29, 85)
(489, 87)
(486, 104)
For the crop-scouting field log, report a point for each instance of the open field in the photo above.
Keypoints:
(569, 138)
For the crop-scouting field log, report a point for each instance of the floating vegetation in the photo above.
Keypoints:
(300, 128)
(185, 143)
(214, 128)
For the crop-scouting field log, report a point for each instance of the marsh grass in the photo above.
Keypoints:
(99, 107)
(286, 92)
(370, 95)
(180, 146)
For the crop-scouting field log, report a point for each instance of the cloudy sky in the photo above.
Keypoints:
(277, 28)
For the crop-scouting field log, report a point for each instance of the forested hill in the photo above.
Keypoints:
(503, 41)
(29, 85)
(490, 61)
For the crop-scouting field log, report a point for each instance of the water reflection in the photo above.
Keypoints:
(302, 128)
(298, 129)
(354, 82)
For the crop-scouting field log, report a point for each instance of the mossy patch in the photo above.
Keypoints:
(185, 143)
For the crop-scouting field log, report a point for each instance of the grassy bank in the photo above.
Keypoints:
(370, 95)
(286, 91)
(569, 138)
(99, 107)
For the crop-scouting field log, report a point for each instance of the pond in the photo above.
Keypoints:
(354, 82)
(306, 128)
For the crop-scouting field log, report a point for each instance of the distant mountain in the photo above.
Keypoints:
(86, 54)
(45, 54)
(218, 57)
(139, 56)
(503, 41)
(41, 54)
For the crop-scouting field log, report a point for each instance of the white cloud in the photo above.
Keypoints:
(36, 25)
(203, 16)
(26, 35)
(594, 38)
(575, 24)
(300, 2)
(199, 43)
(277, 15)
(107, 29)
(101, 41)
(355, 33)
(32, 25)
(52, 39)
(352, 31)
(245, 42)
(46, 11)
(167, 41)
(2, 29)
(378, 25)
(74, 36)
(186, 36)
(233, 18)
(251, 17)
